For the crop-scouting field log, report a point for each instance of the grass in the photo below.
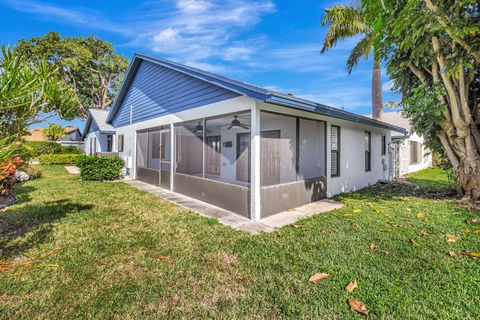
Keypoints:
(106, 250)
(431, 177)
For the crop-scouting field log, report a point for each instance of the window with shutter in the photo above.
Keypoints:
(335, 151)
(368, 151)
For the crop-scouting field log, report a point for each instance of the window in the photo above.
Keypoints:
(415, 152)
(109, 142)
(384, 145)
(368, 151)
(335, 151)
(120, 143)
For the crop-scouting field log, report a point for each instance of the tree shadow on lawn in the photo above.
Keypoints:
(395, 190)
(22, 191)
(24, 227)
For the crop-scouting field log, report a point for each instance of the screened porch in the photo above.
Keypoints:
(212, 160)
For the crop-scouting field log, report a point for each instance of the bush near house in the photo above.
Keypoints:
(71, 150)
(100, 168)
(33, 172)
(60, 159)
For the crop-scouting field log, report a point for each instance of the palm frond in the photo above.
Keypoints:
(361, 50)
(344, 22)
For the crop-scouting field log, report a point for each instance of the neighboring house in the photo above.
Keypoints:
(409, 153)
(247, 149)
(98, 135)
(72, 137)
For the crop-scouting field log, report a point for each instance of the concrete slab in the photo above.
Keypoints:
(73, 169)
(234, 220)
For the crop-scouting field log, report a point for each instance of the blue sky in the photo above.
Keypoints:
(271, 43)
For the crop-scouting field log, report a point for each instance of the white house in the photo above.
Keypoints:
(409, 153)
(98, 135)
(246, 149)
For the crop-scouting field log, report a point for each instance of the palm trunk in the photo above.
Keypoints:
(377, 100)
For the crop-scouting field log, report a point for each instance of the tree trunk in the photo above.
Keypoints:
(377, 100)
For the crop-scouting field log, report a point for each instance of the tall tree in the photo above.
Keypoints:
(54, 132)
(89, 64)
(346, 22)
(432, 49)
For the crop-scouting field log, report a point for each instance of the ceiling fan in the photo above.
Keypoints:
(199, 128)
(236, 124)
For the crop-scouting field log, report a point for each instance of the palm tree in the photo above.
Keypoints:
(54, 132)
(346, 22)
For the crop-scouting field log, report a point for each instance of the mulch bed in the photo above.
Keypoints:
(7, 200)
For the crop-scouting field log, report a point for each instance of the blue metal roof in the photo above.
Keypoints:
(245, 89)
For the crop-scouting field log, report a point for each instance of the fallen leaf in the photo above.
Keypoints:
(352, 285)
(384, 252)
(408, 220)
(452, 253)
(373, 246)
(358, 306)
(472, 221)
(242, 278)
(354, 226)
(318, 276)
(279, 234)
(470, 253)
(452, 238)
(415, 243)
(163, 257)
(465, 230)
(424, 233)
(420, 215)
(229, 260)
(4, 268)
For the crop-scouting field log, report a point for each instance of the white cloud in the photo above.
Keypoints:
(193, 5)
(237, 53)
(387, 86)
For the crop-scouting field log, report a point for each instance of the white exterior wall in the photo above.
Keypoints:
(101, 141)
(352, 153)
(426, 157)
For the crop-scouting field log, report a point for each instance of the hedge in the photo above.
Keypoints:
(59, 158)
(43, 147)
(37, 148)
(100, 168)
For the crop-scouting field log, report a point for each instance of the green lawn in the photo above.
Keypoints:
(431, 177)
(106, 250)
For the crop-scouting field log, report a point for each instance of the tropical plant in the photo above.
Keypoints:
(26, 92)
(89, 64)
(8, 171)
(432, 51)
(54, 132)
(347, 22)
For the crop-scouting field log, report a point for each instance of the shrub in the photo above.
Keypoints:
(8, 171)
(43, 147)
(71, 150)
(100, 168)
(61, 159)
(33, 172)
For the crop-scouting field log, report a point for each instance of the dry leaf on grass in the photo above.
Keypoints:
(384, 252)
(452, 238)
(358, 306)
(163, 257)
(472, 221)
(415, 243)
(420, 215)
(373, 246)
(318, 276)
(452, 253)
(354, 226)
(352, 285)
(470, 253)
(477, 231)
(278, 234)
